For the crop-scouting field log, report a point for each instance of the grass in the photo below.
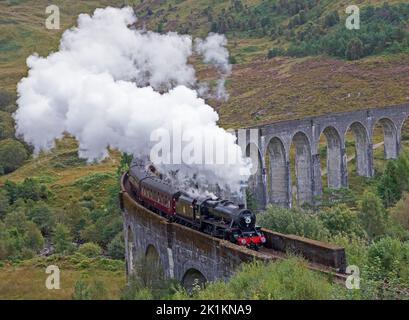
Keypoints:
(66, 175)
(26, 280)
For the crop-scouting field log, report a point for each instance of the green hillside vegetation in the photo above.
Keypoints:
(291, 59)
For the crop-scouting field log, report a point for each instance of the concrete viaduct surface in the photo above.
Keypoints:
(269, 147)
(185, 254)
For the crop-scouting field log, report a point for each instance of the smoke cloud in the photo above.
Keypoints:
(110, 86)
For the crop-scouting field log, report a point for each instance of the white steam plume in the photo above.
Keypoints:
(105, 86)
(214, 52)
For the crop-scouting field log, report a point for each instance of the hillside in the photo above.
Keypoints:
(307, 85)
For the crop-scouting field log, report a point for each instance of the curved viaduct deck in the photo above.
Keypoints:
(184, 253)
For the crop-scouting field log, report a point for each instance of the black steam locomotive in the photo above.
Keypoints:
(219, 218)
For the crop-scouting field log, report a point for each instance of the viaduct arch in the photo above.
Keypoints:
(272, 181)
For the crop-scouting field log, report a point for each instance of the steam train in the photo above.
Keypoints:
(216, 217)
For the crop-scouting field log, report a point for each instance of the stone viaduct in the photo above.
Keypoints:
(269, 147)
(185, 254)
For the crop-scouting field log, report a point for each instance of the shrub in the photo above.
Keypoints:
(341, 220)
(6, 125)
(134, 290)
(42, 216)
(19, 237)
(6, 98)
(355, 49)
(76, 218)
(81, 291)
(399, 213)
(372, 214)
(288, 279)
(62, 240)
(393, 256)
(33, 238)
(29, 189)
(116, 248)
(12, 155)
(356, 249)
(274, 52)
(394, 181)
(331, 19)
(90, 250)
(334, 197)
(4, 204)
(293, 221)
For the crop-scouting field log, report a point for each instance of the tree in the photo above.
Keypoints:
(293, 221)
(42, 216)
(27, 190)
(116, 248)
(394, 181)
(274, 52)
(4, 204)
(331, 19)
(6, 125)
(62, 239)
(90, 250)
(12, 155)
(76, 218)
(400, 212)
(355, 49)
(33, 238)
(341, 220)
(373, 215)
(6, 98)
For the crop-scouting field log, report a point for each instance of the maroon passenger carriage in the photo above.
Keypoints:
(219, 218)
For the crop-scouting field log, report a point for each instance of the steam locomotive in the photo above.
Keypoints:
(216, 217)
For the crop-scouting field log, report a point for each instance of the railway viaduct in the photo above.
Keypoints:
(174, 251)
(185, 254)
(269, 147)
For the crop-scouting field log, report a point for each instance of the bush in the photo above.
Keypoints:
(394, 181)
(334, 197)
(134, 290)
(33, 238)
(4, 204)
(116, 248)
(331, 19)
(399, 213)
(90, 250)
(284, 280)
(6, 98)
(341, 220)
(12, 155)
(6, 126)
(76, 218)
(42, 216)
(19, 237)
(393, 257)
(293, 221)
(62, 240)
(275, 52)
(355, 49)
(29, 189)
